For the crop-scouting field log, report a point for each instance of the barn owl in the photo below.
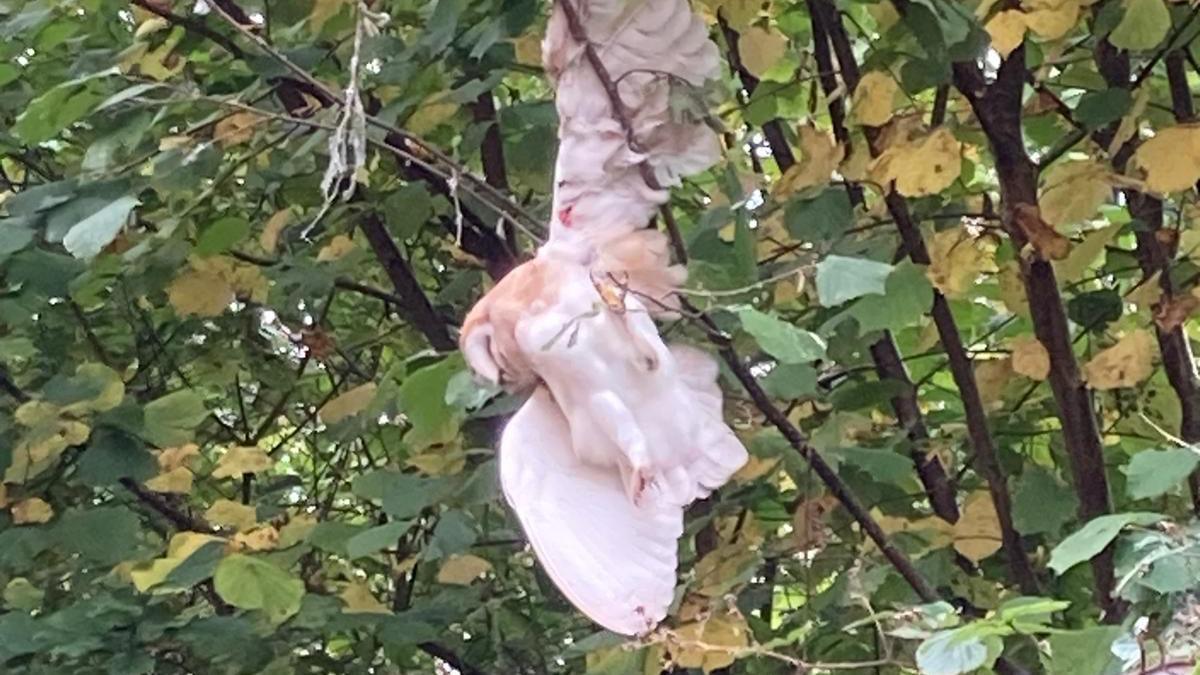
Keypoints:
(620, 431)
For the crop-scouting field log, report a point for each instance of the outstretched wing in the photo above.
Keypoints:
(610, 178)
(615, 562)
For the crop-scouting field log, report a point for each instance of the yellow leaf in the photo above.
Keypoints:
(349, 403)
(739, 13)
(264, 538)
(884, 13)
(874, 97)
(809, 528)
(173, 458)
(1171, 159)
(439, 462)
(322, 11)
(993, 376)
(710, 644)
(208, 286)
(1072, 192)
(336, 248)
(977, 532)
(269, 239)
(235, 129)
(174, 142)
(1147, 294)
(1084, 254)
(855, 167)
(296, 530)
(36, 413)
(1051, 19)
(1129, 123)
(175, 481)
(1030, 358)
(3, 496)
(820, 157)
(429, 115)
(922, 166)
(762, 48)
(1012, 289)
(199, 293)
(182, 545)
(527, 49)
(1125, 364)
(957, 259)
(756, 467)
(1041, 237)
(112, 389)
(1007, 30)
(358, 599)
(240, 460)
(461, 570)
(32, 510)
(228, 513)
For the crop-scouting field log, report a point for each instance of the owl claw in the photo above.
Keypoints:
(639, 480)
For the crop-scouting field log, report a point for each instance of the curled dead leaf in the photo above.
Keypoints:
(1045, 240)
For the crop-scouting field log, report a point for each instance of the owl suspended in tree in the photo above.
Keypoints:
(620, 431)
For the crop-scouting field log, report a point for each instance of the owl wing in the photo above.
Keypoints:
(610, 180)
(615, 562)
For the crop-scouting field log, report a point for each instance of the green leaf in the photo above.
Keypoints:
(376, 539)
(89, 236)
(172, 419)
(953, 652)
(1096, 309)
(52, 112)
(824, 217)
(791, 380)
(882, 465)
(403, 495)
(840, 279)
(1084, 651)
(1092, 538)
(1155, 472)
(1030, 609)
(13, 237)
(222, 235)
(1041, 503)
(103, 535)
(252, 583)
(453, 534)
(8, 73)
(23, 595)
(908, 296)
(1143, 26)
(113, 454)
(781, 339)
(1100, 108)
(423, 400)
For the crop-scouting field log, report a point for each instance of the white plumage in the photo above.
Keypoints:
(621, 431)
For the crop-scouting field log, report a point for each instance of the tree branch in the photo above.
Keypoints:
(886, 355)
(773, 129)
(415, 306)
(193, 25)
(998, 109)
(9, 387)
(1152, 255)
(491, 151)
(983, 448)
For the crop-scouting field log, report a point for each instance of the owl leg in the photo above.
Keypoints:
(644, 337)
(621, 427)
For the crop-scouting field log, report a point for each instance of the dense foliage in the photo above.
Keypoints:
(949, 249)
